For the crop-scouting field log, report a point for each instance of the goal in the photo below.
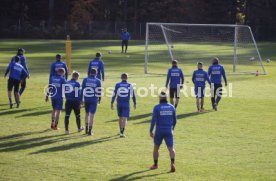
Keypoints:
(234, 45)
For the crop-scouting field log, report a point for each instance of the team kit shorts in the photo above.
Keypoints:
(164, 134)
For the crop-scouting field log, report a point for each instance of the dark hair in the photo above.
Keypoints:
(16, 59)
(58, 56)
(124, 76)
(61, 70)
(215, 60)
(93, 71)
(20, 51)
(174, 62)
(98, 54)
(199, 63)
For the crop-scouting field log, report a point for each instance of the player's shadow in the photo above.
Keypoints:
(132, 176)
(31, 143)
(133, 118)
(12, 111)
(180, 116)
(186, 115)
(19, 135)
(76, 145)
(38, 113)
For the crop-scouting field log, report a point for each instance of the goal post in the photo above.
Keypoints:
(233, 44)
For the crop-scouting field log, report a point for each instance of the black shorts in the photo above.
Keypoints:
(72, 105)
(13, 83)
(217, 90)
(124, 42)
(173, 93)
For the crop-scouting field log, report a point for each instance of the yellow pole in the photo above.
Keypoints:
(68, 46)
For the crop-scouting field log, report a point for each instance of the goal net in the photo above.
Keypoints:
(234, 45)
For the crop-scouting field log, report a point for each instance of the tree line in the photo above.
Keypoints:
(80, 17)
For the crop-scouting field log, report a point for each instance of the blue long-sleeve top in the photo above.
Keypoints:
(16, 70)
(163, 116)
(215, 72)
(22, 61)
(57, 65)
(99, 66)
(123, 91)
(73, 90)
(125, 36)
(175, 76)
(200, 77)
(56, 84)
(91, 89)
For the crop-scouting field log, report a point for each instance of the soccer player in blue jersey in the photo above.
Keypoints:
(73, 101)
(17, 73)
(91, 91)
(215, 72)
(176, 79)
(125, 37)
(123, 91)
(97, 64)
(57, 65)
(164, 118)
(55, 87)
(199, 78)
(23, 62)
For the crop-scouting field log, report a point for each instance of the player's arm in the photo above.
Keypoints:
(49, 90)
(25, 73)
(182, 77)
(193, 78)
(8, 69)
(114, 95)
(174, 119)
(207, 78)
(52, 71)
(66, 71)
(102, 70)
(100, 86)
(168, 78)
(153, 121)
(82, 90)
(89, 69)
(209, 71)
(224, 76)
(24, 64)
(132, 93)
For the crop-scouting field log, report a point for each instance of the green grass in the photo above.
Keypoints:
(236, 143)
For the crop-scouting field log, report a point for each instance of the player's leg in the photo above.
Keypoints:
(23, 86)
(58, 111)
(122, 46)
(77, 114)
(10, 87)
(126, 45)
(176, 98)
(68, 109)
(172, 96)
(213, 95)
(158, 138)
(218, 93)
(170, 145)
(123, 126)
(91, 123)
(16, 92)
(198, 104)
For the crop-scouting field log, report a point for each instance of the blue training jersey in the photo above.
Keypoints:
(215, 72)
(175, 76)
(75, 93)
(56, 84)
(22, 61)
(17, 71)
(123, 91)
(200, 77)
(125, 36)
(163, 116)
(91, 89)
(55, 66)
(99, 66)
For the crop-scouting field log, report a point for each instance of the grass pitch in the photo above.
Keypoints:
(236, 143)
